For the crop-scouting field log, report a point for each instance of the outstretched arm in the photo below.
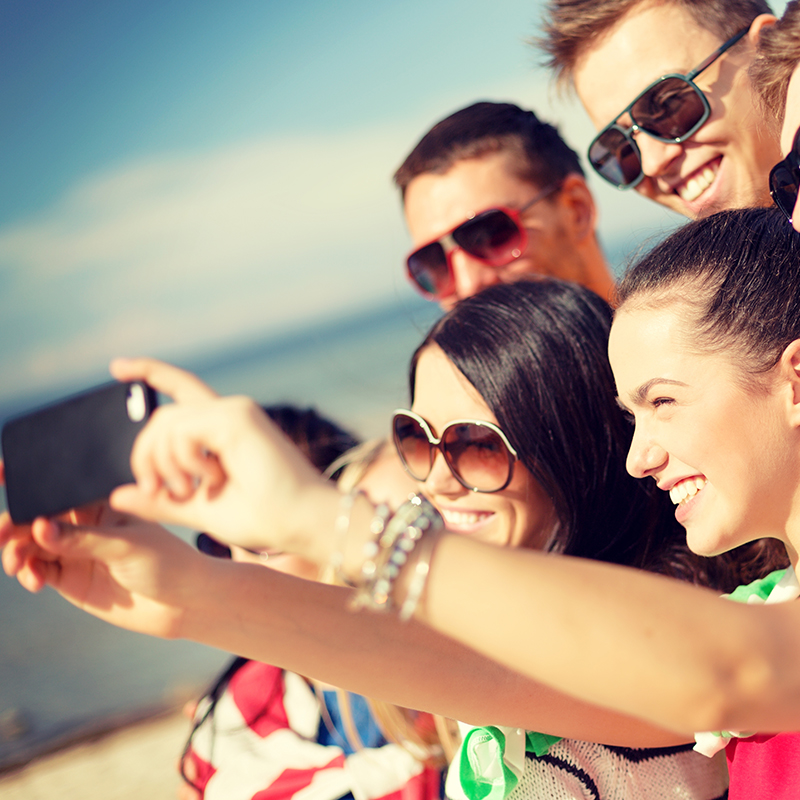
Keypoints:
(138, 575)
(672, 653)
(633, 641)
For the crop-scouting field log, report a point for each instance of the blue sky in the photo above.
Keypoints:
(177, 176)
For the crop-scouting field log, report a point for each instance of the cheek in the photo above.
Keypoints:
(533, 516)
(503, 531)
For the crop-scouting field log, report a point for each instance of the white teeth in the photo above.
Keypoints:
(697, 184)
(456, 518)
(686, 489)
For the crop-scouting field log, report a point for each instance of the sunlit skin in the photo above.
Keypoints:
(561, 238)
(701, 427)
(727, 162)
(519, 515)
(791, 122)
(386, 481)
(282, 562)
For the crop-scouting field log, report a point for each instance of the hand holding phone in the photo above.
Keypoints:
(74, 451)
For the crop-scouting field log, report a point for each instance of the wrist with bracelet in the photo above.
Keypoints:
(395, 538)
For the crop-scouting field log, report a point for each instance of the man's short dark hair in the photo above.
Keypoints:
(777, 58)
(538, 153)
(570, 27)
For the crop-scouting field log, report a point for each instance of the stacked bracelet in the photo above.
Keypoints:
(341, 527)
(386, 555)
(417, 585)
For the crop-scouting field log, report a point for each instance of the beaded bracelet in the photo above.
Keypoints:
(341, 527)
(388, 553)
(417, 585)
(376, 552)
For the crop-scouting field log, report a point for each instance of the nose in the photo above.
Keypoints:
(656, 156)
(441, 480)
(471, 275)
(645, 457)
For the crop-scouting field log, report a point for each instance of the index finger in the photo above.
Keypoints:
(180, 385)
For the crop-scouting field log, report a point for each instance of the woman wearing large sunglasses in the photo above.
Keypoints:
(515, 434)
(517, 452)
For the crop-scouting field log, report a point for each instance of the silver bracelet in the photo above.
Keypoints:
(417, 586)
(341, 527)
(388, 553)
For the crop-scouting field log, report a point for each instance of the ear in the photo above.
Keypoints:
(790, 371)
(757, 25)
(577, 201)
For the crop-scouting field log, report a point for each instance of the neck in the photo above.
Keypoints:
(596, 274)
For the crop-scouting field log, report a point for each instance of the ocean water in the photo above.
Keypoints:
(64, 674)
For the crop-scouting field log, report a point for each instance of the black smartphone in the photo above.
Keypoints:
(74, 451)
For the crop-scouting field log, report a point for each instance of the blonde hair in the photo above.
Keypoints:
(434, 745)
(776, 59)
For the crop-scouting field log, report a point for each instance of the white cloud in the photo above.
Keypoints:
(183, 251)
(186, 215)
(199, 248)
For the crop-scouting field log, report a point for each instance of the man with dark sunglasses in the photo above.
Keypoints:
(776, 75)
(492, 194)
(666, 85)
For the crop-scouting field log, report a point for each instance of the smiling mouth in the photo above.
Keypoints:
(464, 519)
(685, 490)
(698, 182)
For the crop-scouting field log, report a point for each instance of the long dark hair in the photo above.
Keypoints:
(536, 353)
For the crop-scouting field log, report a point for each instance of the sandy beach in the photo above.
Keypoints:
(135, 762)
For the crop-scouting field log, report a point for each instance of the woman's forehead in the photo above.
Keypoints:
(442, 392)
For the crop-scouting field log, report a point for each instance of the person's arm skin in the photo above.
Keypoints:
(665, 651)
(673, 653)
(137, 575)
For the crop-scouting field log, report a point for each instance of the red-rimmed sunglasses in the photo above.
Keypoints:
(478, 453)
(495, 237)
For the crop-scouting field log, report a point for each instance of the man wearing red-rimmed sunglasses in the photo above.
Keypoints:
(492, 194)
(666, 85)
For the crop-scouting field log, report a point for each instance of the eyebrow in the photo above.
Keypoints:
(639, 395)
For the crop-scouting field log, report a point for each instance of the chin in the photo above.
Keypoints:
(710, 545)
(700, 542)
(499, 538)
